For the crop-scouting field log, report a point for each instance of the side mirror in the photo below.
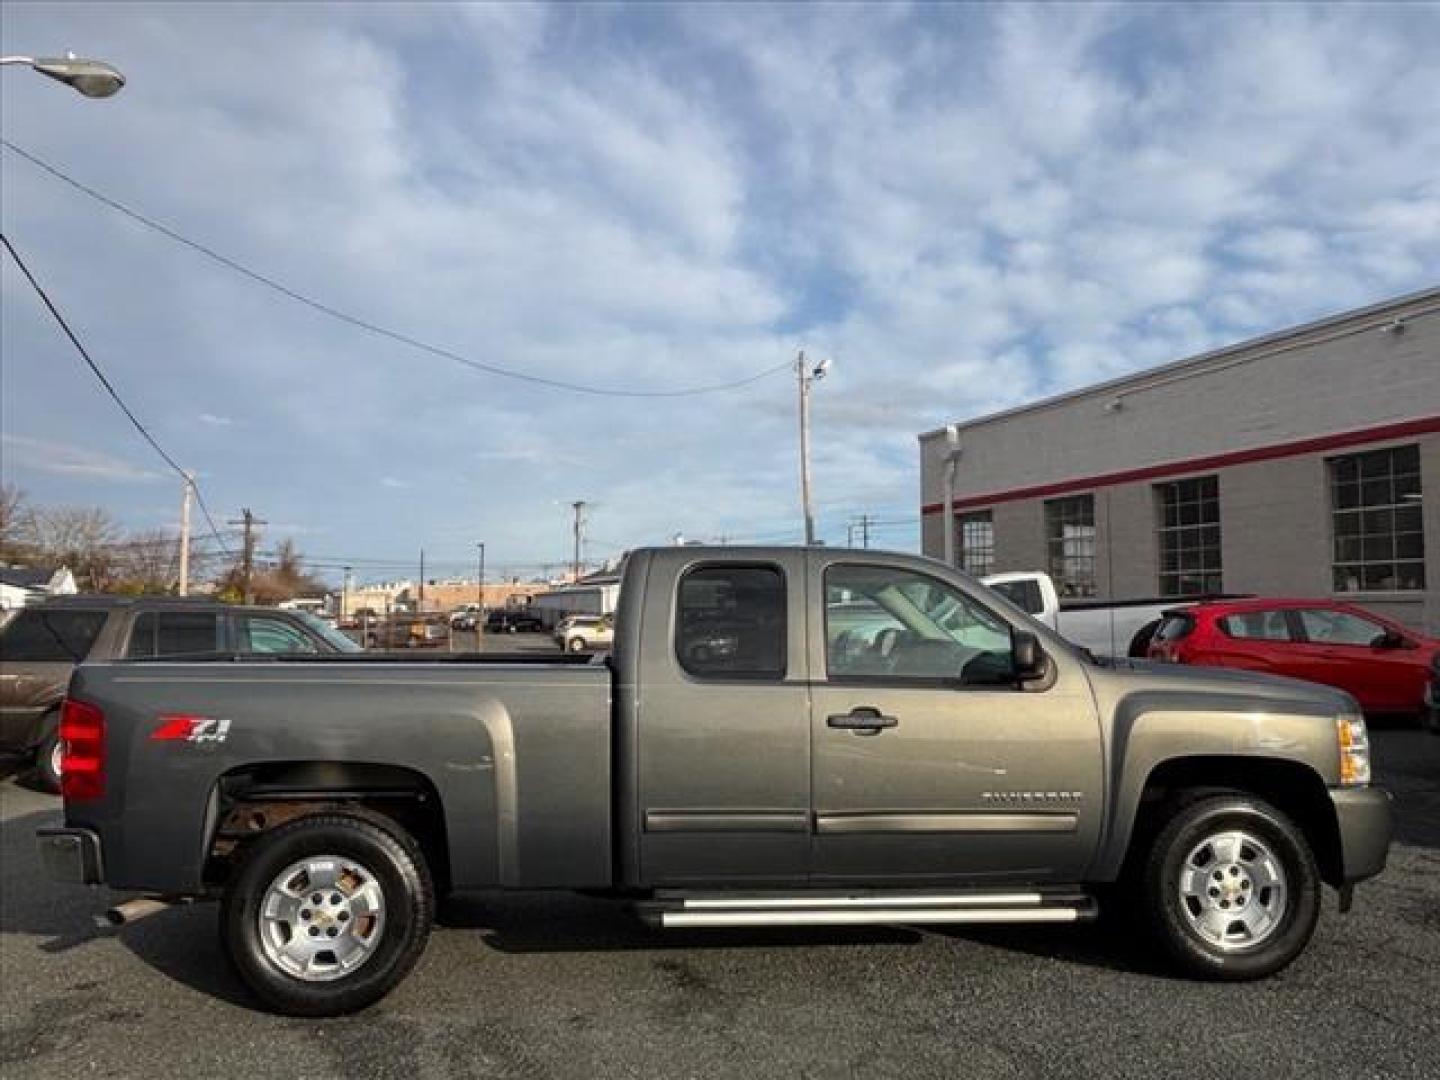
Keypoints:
(1390, 639)
(1030, 659)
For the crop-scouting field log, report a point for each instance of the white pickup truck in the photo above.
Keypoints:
(1105, 627)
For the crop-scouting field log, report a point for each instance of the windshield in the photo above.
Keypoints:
(330, 634)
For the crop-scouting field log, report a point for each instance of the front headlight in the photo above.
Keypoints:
(1354, 748)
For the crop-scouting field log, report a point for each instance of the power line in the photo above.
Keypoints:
(374, 328)
(109, 387)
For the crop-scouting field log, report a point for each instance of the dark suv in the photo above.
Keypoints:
(507, 621)
(41, 645)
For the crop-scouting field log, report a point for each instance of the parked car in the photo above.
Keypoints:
(1105, 627)
(1389, 668)
(585, 633)
(730, 767)
(512, 621)
(41, 644)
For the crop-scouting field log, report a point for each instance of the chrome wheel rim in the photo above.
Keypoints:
(1233, 891)
(321, 918)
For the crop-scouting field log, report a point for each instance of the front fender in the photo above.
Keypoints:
(1160, 728)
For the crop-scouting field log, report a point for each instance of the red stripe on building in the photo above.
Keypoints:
(1426, 425)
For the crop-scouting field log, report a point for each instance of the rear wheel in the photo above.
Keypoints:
(326, 915)
(1231, 888)
(48, 757)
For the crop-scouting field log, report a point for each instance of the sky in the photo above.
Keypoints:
(963, 207)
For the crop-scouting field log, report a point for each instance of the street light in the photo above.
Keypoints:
(952, 463)
(806, 375)
(93, 78)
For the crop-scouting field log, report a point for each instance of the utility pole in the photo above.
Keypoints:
(865, 530)
(805, 377)
(345, 594)
(480, 589)
(184, 589)
(247, 556)
(420, 597)
(579, 507)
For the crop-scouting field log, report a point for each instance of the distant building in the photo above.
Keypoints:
(1302, 463)
(20, 585)
(592, 594)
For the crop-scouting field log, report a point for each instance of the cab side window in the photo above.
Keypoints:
(730, 622)
(891, 625)
(272, 636)
(174, 633)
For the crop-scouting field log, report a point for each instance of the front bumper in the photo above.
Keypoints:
(71, 855)
(1366, 818)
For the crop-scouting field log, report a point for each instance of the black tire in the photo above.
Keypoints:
(1161, 877)
(1140, 643)
(47, 764)
(409, 904)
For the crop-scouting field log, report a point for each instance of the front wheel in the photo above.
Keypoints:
(326, 915)
(1231, 888)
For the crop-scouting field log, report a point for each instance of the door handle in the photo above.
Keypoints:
(862, 721)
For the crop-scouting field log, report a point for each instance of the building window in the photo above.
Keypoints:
(975, 542)
(1375, 504)
(1070, 544)
(1189, 519)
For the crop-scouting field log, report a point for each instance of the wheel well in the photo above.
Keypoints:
(255, 799)
(1292, 788)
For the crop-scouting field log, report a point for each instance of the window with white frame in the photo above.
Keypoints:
(1070, 544)
(1379, 540)
(1188, 518)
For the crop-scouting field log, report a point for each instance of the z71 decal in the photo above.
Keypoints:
(195, 729)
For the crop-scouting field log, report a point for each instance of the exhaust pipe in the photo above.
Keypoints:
(123, 914)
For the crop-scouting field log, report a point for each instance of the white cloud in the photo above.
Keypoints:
(23, 452)
(967, 207)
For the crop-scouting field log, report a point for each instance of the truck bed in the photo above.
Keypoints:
(517, 749)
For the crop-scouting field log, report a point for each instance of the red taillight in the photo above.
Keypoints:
(82, 762)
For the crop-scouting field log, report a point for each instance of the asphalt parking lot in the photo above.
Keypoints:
(557, 986)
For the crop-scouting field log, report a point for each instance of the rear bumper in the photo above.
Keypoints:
(71, 855)
(1366, 819)
(1430, 713)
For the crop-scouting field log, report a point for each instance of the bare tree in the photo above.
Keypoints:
(17, 525)
(146, 563)
(284, 579)
(80, 537)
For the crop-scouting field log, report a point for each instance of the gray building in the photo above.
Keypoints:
(1303, 463)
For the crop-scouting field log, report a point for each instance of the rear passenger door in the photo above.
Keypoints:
(722, 756)
(1256, 641)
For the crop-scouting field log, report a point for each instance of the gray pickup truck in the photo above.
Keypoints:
(780, 736)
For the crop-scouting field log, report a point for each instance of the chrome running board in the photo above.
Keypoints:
(677, 910)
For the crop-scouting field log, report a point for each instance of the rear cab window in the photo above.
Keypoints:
(1024, 594)
(39, 636)
(730, 622)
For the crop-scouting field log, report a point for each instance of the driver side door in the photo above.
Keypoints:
(961, 776)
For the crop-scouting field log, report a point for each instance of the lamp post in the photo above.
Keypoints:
(93, 78)
(952, 464)
(806, 376)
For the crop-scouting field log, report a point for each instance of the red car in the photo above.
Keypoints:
(1387, 667)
